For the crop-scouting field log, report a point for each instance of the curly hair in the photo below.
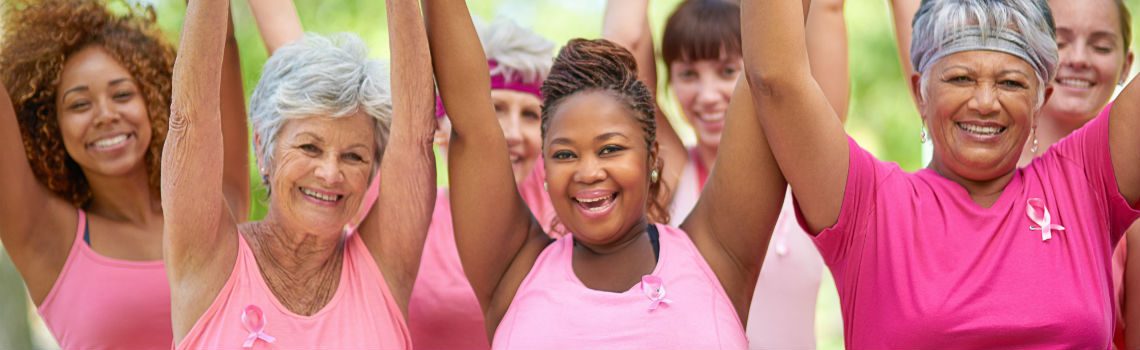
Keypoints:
(38, 38)
(600, 65)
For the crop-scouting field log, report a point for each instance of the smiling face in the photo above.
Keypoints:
(321, 170)
(703, 89)
(1093, 58)
(519, 116)
(102, 114)
(597, 168)
(979, 107)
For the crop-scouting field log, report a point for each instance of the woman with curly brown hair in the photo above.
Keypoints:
(90, 96)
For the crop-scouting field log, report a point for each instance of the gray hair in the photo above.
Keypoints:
(1023, 28)
(317, 75)
(522, 54)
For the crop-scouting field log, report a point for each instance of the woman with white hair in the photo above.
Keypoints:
(972, 251)
(321, 116)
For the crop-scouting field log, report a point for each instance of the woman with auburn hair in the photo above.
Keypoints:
(972, 251)
(618, 278)
(702, 55)
(80, 152)
(325, 122)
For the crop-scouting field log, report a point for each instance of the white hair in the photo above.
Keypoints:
(522, 54)
(329, 76)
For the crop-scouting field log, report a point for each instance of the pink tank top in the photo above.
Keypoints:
(246, 314)
(91, 287)
(680, 305)
(444, 312)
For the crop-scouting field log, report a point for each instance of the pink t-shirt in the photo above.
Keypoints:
(919, 265)
(553, 309)
(444, 312)
(92, 287)
(360, 315)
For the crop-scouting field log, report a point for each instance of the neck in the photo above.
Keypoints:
(636, 233)
(295, 251)
(985, 193)
(707, 155)
(124, 197)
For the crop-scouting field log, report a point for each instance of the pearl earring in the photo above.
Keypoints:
(653, 175)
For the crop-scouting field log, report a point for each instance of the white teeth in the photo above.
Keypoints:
(711, 117)
(594, 200)
(111, 141)
(1077, 83)
(327, 198)
(984, 130)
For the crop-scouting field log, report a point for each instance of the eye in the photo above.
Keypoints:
(529, 114)
(608, 149)
(562, 155)
(123, 96)
(1013, 84)
(353, 156)
(78, 105)
(1103, 49)
(959, 79)
(310, 148)
(729, 71)
(687, 74)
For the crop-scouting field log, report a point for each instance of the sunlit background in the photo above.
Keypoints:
(881, 116)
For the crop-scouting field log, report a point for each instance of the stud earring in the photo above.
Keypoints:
(653, 176)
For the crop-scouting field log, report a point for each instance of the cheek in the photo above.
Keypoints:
(686, 93)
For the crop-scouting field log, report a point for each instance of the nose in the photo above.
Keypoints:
(328, 170)
(589, 171)
(1076, 55)
(511, 128)
(985, 100)
(708, 93)
(105, 112)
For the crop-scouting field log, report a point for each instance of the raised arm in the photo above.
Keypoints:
(902, 11)
(494, 229)
(36, 227)
(827, 52)
(803, 131)
(235, 132)
(1123, 127)
(199, 239)
(394, 230)
(277, 21)
(634, 35)
(732, 221)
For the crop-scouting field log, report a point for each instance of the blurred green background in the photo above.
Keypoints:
(881, 116)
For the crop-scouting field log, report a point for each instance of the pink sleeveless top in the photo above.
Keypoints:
(246, 314)
(444, 312)
(91, 287)
(681, 305)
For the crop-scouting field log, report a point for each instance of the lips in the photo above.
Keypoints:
(110, 141)
(987, 129)
(320, 197)
(595, 203)
(1076, 83)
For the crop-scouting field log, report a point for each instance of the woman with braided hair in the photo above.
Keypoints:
(80, 148)
(619, 277)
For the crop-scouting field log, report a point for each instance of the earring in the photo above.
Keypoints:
(653, 176)
(544, 187)
(1034, 148)
(922, 133)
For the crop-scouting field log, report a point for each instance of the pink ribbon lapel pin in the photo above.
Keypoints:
(1040, 215)
(254, 321)
(654, 288)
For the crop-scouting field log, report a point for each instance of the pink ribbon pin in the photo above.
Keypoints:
(1037, 212)
(254, 321)
(654, 288)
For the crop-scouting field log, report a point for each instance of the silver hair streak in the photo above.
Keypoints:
(329, 76)
(1023, 28)
(522, 54)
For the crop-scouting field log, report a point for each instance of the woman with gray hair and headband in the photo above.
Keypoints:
(971, 251)
(323, 115)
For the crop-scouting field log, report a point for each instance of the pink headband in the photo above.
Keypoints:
(499, 82)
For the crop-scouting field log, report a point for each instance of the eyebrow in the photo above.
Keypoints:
(602, 137)
(85, 88)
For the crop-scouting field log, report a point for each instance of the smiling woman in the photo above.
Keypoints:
(80, 150)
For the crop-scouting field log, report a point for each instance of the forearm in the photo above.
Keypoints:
(235, 132)
(461, 69)
(626, 22)
(1124, 125)
(827, 52)
(277, 21)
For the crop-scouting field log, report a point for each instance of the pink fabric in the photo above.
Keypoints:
(919, 265)
(103, 303)
(499, 82)
(444, 312)
(534, 194)
(1118, 261)
(361, 315)
(553, 309)
(782, 314)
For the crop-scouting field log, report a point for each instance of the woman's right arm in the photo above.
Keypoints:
(277, 21)
(200, 236)
(803, 131)
(36, 227)
(497, 236)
